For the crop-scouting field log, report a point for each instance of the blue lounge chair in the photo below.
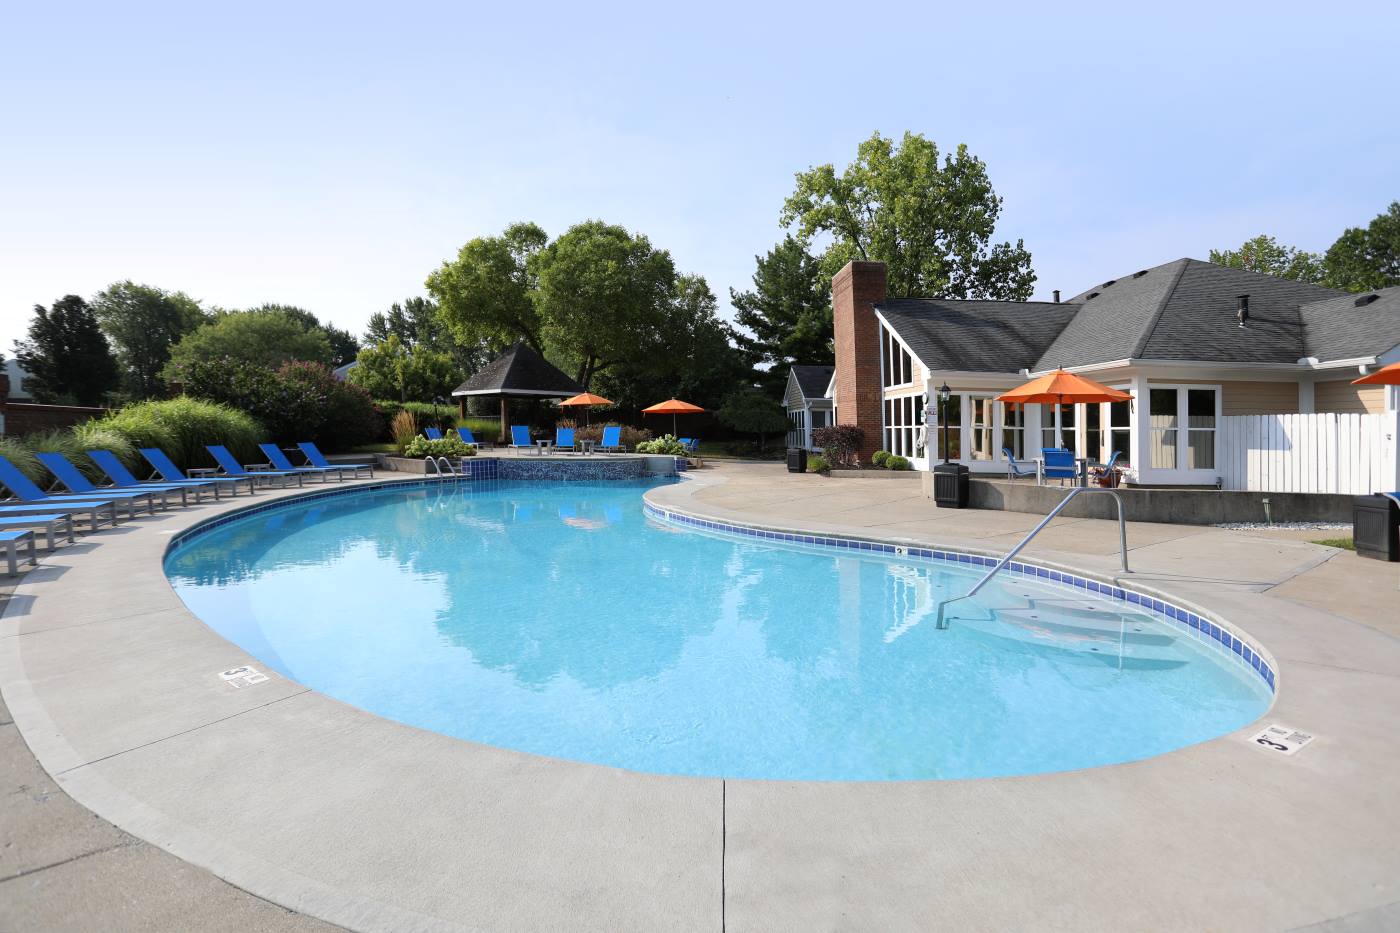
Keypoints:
(563, 438)
(1059, 464)
(278, 461)
(122, 479)
(76, 483)
(231, 467)
(432, 434)
(37, 500)
(94, 512)
(316, 458)
(170, 473)
(53, 524)
(469, 438)
(520, 437)
(11, 541)
(1110, 469)
(612, 440)
(1015, 470)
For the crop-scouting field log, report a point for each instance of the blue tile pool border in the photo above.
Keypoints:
(1210, 631)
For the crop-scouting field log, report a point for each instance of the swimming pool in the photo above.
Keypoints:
(559, 619)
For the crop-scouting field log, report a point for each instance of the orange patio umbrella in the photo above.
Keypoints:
(585, 401)
(672, 407)
(1062, 388)
(1385, 376)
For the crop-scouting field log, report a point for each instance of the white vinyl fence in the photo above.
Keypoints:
(1325, 453)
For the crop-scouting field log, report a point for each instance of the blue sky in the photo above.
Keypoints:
(330, 156)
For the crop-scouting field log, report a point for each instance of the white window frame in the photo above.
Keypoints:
(1143, 411)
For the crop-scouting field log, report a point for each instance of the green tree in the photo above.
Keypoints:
(1267, 255)
(264, 338)
(1366, 258)
(67, 357)
(788, 312)
(418, 323)
(753, 412)
(143, 323)
(392, 370)
(486, 294)
(344, 346)
(603, 295)
(931, 223)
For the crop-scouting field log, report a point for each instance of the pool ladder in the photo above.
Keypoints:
(437, 463)
(1122, 547)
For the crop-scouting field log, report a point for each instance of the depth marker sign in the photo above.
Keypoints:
(240, 677)
(1281, 739)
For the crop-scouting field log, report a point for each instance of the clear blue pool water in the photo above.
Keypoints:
(558, 619)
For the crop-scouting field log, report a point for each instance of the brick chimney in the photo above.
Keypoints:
(855, 291)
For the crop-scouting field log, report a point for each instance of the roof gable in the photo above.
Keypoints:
(975, 336)
(812, 380)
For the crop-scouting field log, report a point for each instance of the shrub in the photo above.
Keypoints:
(61, 441)
(818, 464)
(897, 463)
(449, 446)
(486, 429)
(665, 444)
(839, 442)
(14, 450)
(404, 428)
(345, 416)
(631, 436)
(426, 414)
(880, 457)
(183, 426)
(96, 435)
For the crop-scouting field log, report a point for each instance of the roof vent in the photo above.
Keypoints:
(1242, 311)
(1057, 296)
(1091, 295)
(1364, 300)
(1138, 275)
(1108, 283)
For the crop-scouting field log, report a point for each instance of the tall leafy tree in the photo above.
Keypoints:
(417, 323)
(267, 337)
(1366, 258)
(486, 294)
(393, 370)
(1267, 255)
(753, 412)
(930, 220)
(788, 311)
(143, 323)
(67, 356)
(344, 346)
(603, 295)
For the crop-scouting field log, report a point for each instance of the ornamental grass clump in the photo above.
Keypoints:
(14, 450)
(404, 429)
(62, 442)
(96, 435)
(182, 427)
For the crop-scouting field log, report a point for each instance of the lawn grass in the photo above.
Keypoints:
(1344, 543)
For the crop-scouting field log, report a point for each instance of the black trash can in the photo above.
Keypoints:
(797, 460)
(951, 485)
(1375, 527)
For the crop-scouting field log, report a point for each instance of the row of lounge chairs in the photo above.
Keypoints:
(54, 513)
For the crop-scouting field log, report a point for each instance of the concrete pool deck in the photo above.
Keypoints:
(335, 813)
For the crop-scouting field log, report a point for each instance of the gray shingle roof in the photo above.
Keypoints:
(520, 371)
(813, 380)
(1339, 329)
(976, 336)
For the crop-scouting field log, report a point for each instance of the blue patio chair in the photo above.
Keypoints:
(432, 434)
(316, 458)
(563, 438)
(612, 439)
(1110, 469)
(1015, 470)
(39, 501)
(77, 484)
(278, 460)
(11, 540)
(1059, 464)
(170, 473)
(231, 467)
(520, 436)
(121, 477)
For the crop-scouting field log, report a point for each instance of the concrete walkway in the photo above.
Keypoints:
(324, 809)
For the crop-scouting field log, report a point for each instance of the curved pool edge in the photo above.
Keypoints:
(261, 793)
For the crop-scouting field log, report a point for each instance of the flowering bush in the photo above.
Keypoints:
(839, 442)
(449, 446)
(665, 444)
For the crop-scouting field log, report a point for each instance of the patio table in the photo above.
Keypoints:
(587, 446)
(543, 447)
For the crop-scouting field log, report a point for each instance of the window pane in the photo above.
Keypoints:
(1200, 408)
(1200, 450)
(1120, 442)
(1163, 446)
(1163, 402)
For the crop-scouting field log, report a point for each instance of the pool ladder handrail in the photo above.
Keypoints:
(436, 463)
(1122, 546)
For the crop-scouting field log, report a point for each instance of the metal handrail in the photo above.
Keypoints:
(1122, 546)
(436, 463)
